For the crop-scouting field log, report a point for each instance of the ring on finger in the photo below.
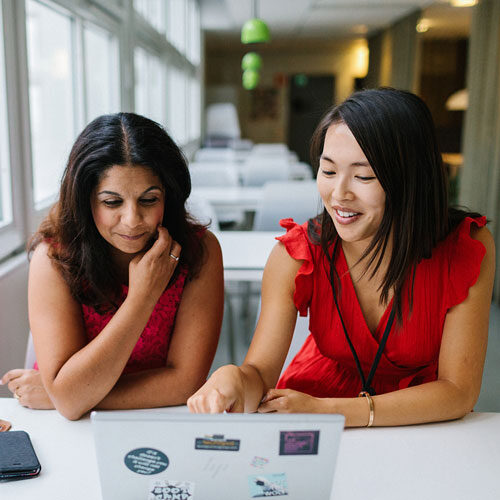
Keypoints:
(174, 257)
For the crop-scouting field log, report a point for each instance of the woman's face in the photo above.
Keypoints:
(351, 193)
(127, 206)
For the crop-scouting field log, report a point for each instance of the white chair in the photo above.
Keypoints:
(210, 174)
(297, 199)
(223, 126)
(258, 171)
(215, 155)
(202, 211)
(270, 149)
(300, 170)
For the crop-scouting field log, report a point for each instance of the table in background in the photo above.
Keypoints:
(456, 460)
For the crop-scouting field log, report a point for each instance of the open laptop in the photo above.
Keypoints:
(165, 455)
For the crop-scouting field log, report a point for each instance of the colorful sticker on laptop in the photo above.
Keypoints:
(268, 485)
(259, 462)
(146, 461)
(217, 442)
(299, 442)
(171, 490)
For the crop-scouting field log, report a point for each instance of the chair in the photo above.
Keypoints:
(202, 211)
(271, 149)
(223, 126)
(297, 199)
(258, 171)
(215, 155)
(210, 174)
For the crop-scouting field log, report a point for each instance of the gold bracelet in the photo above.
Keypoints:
(364, 394)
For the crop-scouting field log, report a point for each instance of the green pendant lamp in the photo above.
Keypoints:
(255, 30)
(251, 60)
(250, 79)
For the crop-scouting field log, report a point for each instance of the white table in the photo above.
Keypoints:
(457, 460)
(245, 253)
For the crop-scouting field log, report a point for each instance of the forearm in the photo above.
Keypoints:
(434, 401)
(253, 386)
(152, 389)
(88, 376)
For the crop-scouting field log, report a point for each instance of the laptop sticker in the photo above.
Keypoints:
(146, 461)
(268, 485)
(299, 442)
(217, 442)
(171, 490)
(259, 462)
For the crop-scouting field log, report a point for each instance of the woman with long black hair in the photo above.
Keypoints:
(397, 284)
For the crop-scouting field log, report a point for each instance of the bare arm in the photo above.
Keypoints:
(461, 360)
(78, 375)
(241, 388)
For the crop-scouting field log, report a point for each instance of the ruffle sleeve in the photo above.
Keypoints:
(298, 246)
(464, 261)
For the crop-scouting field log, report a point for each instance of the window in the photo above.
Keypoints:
(194, 32)
(153, 11)
(101, 72)
(177, 105)
(176, 32)
(51, 97)
(5, 184)
(194, 108)
(149, 86)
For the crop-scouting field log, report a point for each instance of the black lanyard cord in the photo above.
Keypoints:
(366, 383)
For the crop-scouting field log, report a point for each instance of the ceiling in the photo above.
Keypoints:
(298, 21)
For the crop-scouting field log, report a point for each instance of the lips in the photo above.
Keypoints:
(134, 237)
(345, 215)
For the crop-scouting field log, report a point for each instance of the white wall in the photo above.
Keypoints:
(14, 324)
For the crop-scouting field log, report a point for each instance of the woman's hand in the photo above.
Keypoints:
(28, 389)
(224, 391)
(289, 401)
(150, 272)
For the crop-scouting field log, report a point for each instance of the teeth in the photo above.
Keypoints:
(346, 214)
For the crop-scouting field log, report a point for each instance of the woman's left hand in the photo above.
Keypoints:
(28, 389)
(289, 401)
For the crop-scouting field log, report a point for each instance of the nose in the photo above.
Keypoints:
(131, 216)
(342, 189)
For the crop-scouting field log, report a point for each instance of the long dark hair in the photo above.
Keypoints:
(77, 248)
(395, 130)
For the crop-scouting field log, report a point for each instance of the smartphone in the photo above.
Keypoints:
(17, 456)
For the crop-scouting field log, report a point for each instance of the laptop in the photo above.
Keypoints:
(175, 455)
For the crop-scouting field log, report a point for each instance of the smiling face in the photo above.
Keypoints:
(127, 206)
(350, 191)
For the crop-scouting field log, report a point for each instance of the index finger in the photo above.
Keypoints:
(11, 375)
(162, 243)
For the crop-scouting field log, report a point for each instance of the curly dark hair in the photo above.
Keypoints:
(75, 245)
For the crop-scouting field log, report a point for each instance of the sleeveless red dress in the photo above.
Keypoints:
(325, 367)
(151, 349)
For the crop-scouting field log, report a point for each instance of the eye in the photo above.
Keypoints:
(327, 171)
(149, 201)
(368, 178)
(112, 203)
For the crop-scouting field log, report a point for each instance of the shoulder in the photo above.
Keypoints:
(212, 256)
(211, 244)
(281, 267)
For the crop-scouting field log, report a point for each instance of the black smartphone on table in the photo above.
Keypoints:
(18, 459)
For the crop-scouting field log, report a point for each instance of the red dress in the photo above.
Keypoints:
(151, 348)
(324, 366)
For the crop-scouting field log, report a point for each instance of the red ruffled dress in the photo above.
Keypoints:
(324, 366)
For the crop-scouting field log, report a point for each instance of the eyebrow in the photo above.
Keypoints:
(353, 164)
(118, 194)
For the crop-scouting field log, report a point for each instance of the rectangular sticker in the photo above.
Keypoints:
(217, 442)
(259, 462)
(299, 442)
(268, 485)
(171, 490)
